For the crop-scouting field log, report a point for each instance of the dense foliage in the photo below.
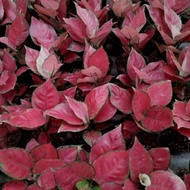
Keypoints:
(80, 80)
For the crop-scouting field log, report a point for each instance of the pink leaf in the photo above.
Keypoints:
(130, 185)
(138, 21)
(120, 98)
(46, 180)
(28, 119)
(45, 96)
(160, 157)
(15, 185)
(34, 187)
(106, 112)
(9, 62)
(166, 180)
(96, 99)
(68, 176)
(173, 21)
(30, 58)
(111, 186)
(90, 20)
(42, 33)
(134, 60)
(65, 127)
(187, 181)
(45, 151)
(63, 111)
(53, 4)
(179, 109)
(80, 109)
(99, 59)
(76, 29)
(160, 93)
(68, 153)
(140, 161)
(141, 103)
(112, 167)
(158, 118)
(22, 6)
(13, 164)
(91, 137)
(18, 31)
(43, 165)
(110, 141)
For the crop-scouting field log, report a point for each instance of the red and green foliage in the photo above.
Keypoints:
(80, 81)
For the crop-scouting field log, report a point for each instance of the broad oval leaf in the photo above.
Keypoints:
(120, 98)
(31, 118)
(91, 137)
(100, 60)
(18, 31)
(112, 167)
(63, 111)
(45, 151)
(134, 60)
(160, 157)
(45, 96)
(42, 33)
(68, 176)
(47, 164)
(66, 127)
(139, 161)
(79, 108)
(160, 93)
(15, 185)
(166, 180)
(111, 186)
(95, 100)
(106, 112)
(13, 164)
(110, 141)
(46, 180)
(34, 187)
(158, 118)
(141, 104)
(130, 185)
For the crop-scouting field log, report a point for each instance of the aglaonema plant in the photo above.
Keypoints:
(60, 81)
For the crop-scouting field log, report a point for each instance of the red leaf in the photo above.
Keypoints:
(138, 21)
(160, 157)
(160, 93)
(29, 119)
(89, 19)
(95, 100)
(15, 185)
(106, 112)
(166, 180)
(112, 167)
(45, 96)
(111, 186)
(75, 28)
(46, 180)
(18, 31)
(9, 62)
(100, 60)
(65, 127)
(34, 187)
(67, 177)
(42, 33)
(158, 118)
(110, 141)
(140, 161)
(130, 185)
(120, 98)
(22, 6)
(53, 4)
(47, 164)
(140, 104)
(79, 108)
(45, 151)
(68, 153)
(63, 111)
(187, 181)
(91, 137)
(179, 109)
(134, 60)
(13, 164)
